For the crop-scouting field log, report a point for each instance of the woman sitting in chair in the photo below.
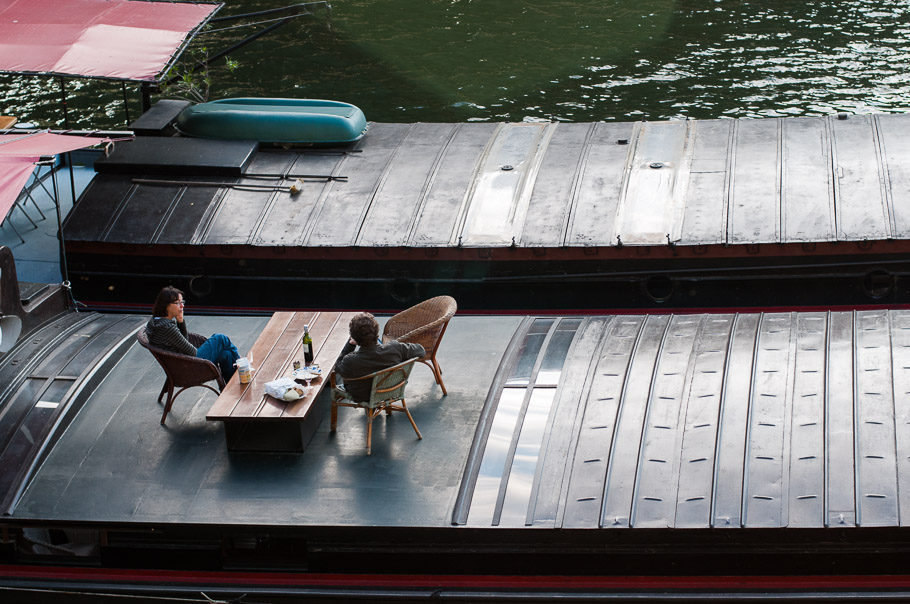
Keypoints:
(167, 329)
(371, 356)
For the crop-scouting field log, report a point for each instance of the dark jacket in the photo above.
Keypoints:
(170, 335)
(368, 359)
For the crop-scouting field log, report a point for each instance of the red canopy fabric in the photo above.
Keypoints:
(14, 174)
(19, 153)
(44, 143)
(117, 39)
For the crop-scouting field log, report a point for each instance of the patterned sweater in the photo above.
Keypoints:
(170, 335)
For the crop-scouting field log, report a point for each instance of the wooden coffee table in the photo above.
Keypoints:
(255, 421)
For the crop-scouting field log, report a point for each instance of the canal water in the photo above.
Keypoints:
(566, 60)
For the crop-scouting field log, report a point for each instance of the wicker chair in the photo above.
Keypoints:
(182, 371)
(424, 324)
(386, 390)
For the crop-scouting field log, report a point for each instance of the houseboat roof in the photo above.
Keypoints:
(704, 422)
(694, 213)
(528, 185)
(621, 455)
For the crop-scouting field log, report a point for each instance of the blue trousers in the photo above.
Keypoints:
(220, 350)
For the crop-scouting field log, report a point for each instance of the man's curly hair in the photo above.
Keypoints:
(364, 329)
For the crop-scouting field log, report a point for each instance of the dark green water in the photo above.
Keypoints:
(571, 60)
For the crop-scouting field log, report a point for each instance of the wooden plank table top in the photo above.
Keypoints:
(273, 354)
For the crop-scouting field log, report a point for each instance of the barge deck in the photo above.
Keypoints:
(697, 213)
(597, 449)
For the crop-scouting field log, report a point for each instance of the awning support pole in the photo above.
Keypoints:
(66, 125)
(64, 271)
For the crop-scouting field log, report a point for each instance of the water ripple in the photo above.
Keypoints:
(566, 60)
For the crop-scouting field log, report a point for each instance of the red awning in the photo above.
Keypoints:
(14, 174)
(36, 144)
(116, 39)
(19, 153)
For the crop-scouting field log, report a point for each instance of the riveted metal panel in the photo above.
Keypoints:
(654, 504)
(652, 206)
(696, 421)
(840, 461)
(860, 201)
(189, 215)
(900, 348)
(264, 163)
(241, 211)
(729, 471)
(502, 187)
(89, 218)
(807, 433)
(540, 416)
(764, 503)
(341, 210)
(705, 218)
(64, 359)
(894, 137)
(807, 198)
(288, 217)
(454, 178)
(754, 206)
(554, 188)
(600, 184)
(701, 422)
(588, 469)
(400, 196)
(749, 181)
(876, 470)
(41, 396)
(623, 465)
(140, 219)
(236, 218)
(576, 384)
(495, 457)
(516, 496)
(505, 476)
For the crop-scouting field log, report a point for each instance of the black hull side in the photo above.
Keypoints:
(283, 564)
(251, 283)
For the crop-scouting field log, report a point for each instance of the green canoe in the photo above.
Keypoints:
(308, 121)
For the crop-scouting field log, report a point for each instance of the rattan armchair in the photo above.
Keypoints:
(182, 371)
(386, 390)
(424, 324)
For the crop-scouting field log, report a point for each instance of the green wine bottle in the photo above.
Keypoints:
(307, 346)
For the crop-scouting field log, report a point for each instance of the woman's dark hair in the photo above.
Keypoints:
(165, 297)
(364, 329)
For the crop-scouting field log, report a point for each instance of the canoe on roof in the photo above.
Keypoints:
(270, 120)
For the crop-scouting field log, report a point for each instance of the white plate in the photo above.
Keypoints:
(305, 373)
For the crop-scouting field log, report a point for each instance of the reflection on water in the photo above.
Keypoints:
(573, 60)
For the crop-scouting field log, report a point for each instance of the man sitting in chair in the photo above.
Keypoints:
(372, 355)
